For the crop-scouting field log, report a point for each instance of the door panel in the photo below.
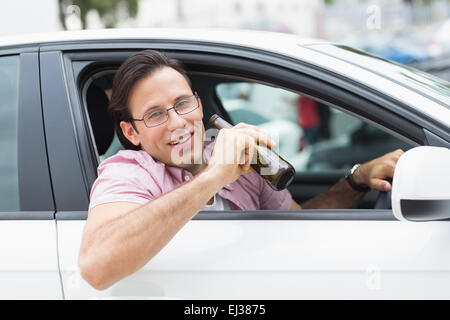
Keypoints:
(275, 259)
(29, 266)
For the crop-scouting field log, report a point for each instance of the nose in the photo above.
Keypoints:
(175, 121)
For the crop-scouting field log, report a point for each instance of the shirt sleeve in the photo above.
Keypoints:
(274, 200)
(120, 183)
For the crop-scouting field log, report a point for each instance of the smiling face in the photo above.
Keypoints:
(174, 139)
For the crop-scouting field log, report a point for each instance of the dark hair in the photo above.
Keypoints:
(130, 72)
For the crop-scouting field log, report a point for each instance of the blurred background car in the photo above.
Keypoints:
(436, 38)
(398, 47)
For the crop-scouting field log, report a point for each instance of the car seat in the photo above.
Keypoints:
(101, 123)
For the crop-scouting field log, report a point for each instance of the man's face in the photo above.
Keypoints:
(163, 89)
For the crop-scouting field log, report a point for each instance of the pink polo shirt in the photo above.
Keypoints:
(134, 176)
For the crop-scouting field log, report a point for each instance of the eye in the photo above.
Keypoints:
(185, 104)
(182, 103)
(155, 114)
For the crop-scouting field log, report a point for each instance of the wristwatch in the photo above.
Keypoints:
(351, 181)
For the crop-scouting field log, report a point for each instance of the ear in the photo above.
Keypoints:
(129, 133)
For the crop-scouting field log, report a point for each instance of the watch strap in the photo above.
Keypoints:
(353, 184)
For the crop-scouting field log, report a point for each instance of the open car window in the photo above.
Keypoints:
(312, 136)
(321, 142)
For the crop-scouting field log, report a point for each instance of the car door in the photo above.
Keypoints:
(29, 266)
(320, 254)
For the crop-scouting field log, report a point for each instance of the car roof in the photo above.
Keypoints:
(251, 38)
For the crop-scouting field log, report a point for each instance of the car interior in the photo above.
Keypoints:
(319, 162)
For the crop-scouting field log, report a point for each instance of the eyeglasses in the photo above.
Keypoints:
(159, 116)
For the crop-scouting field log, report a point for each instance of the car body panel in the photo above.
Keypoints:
(275, 259)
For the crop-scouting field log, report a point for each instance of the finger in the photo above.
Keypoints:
(247, 166)
(260, 136)
(395, 155)
(238, 147)
(381, 185)
(249, 148)
(398, 154)
(250, 159)
(250, 152)
(388, 169)
(240, 151)
(232, 149)
(246, 125)
(245, 162)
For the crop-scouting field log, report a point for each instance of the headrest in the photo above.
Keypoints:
(102, 126)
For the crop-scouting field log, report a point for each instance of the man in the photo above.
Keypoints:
(143, 195)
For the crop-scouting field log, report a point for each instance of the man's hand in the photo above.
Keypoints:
(234, 150)
(374, 172)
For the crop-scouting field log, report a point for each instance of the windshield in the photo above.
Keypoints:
(419, 81)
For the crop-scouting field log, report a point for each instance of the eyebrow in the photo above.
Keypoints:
(176, 100)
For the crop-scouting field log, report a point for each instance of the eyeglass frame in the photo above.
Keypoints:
(167, 112)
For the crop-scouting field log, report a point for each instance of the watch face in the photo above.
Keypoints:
(356, 166)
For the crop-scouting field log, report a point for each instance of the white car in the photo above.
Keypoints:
(54, 131)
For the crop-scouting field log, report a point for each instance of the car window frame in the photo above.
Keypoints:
(201, 57)
(35, 190)
(64, 148)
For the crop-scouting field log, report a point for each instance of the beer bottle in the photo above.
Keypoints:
(277, 172)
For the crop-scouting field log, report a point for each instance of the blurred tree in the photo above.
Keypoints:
(109, 10)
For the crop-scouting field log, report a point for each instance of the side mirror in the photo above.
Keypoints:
(421, 185)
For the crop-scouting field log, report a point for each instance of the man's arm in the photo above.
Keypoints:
(339, 196)
(295, 206)
(342, 196)
(119, 238)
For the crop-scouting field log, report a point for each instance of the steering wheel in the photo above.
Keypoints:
(384, 198)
